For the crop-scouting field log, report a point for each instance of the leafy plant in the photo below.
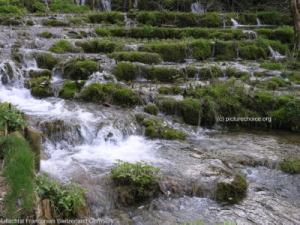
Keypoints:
(13, 117)
(139, 173)
(65, 200)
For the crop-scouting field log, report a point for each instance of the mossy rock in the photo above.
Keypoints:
(168, 52)
(253, 52)
(97, 92)
(290, 165)
(46, 34)
(173, 90)
(210, 20)
(41, 92)
(63, 46)
(125, 97)
(126, 71)
(189, 109)
(165, 74)
(225, 50)
(143, 57)
(294, 77)
(45, 60)
(70, 88)
(151, 109)
(167, 105)
(201, 49)
(234, 192)
(211, 72)
(232, 72)
(97, 46)
(55, 23)
(81, 70)
(40, 73)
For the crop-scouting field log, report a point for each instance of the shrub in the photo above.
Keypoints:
(290, 165)
(126, 71)
(233, 192)
(13, 117)
(70, 88)
(151, 109)
(65, 201)
(63, 46)
(125, 97)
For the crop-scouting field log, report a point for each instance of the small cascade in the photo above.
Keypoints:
(237, 50)
(10, 74)
(136, 4)
(275, 54)
(252, 34)
(213, 52)
(28, 61)
(197, 7)
(234, 22)
(82, 2)
(46, 3)
(258, 22)
(106, 5)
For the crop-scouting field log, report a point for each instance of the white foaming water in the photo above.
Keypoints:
(197, 7)
(275, 54)
(99, 155)
(106, 4)
(234, 23)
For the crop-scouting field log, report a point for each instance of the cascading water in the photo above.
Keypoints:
(275, 54)
(83, 140)
(106, 4)
(197, 7)
(234, 22)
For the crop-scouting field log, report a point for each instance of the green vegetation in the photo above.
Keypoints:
(19, 173)
(13, 118)
(46, 34)
(135, 182)
(66, 201)
(143, 57)
(151, 109)
(233, 192)
(290, 165)
(40, 87)
(107, 17)
(63, 46)
(97, 46)
(97, 92)
(40, 73)
(272, 65)
(126, 71)
(155, 129)
(45, 60)
(201, 49)
(125, 97)
(173, 90)
(70, 88)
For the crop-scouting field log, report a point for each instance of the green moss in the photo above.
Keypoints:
(225, 50)
(252, 52)
(29, 23)
(97, 92)
(201, 49)
(294, 77)
(107, 17)
(211, 72)
(232, 72)
(284, 34)
(143, 57)
(40, 73)
(45, 60)
(151, 109)
(290, 165)
(83, 69)
(125, 97)
(103, 32)
(46, 34)
(63, 46)
(233, 192)
(272, 66)
(97, 46)
(168, 52)
(126, 71)
(173, 90)
(165, 74)
(167, 105)
(70, 88)
(40, 87)
(55, 23)
(189, 108)
(210, 20)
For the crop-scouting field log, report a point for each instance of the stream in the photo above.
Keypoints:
(92, 137)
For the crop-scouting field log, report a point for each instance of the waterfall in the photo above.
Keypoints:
(10, 74)
(275, 54)
(252, 34)
(197, 7)
(106, 4)
(82, 2)
(234, 22)
(258, 22)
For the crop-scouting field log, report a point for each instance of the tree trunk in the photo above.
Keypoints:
(295, 8)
